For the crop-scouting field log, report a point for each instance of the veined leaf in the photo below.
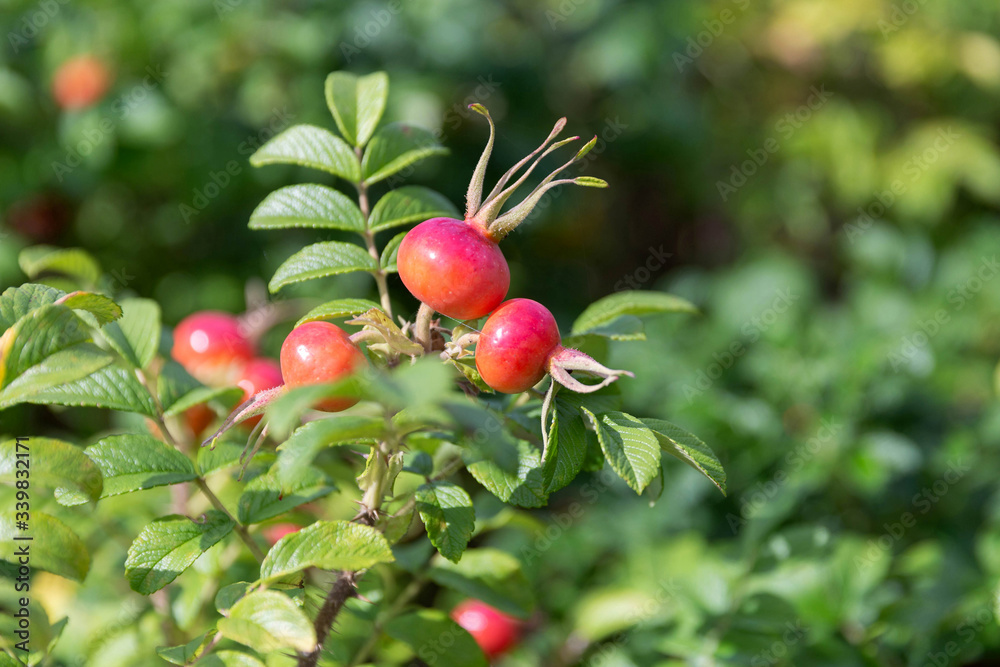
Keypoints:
(357, 103)
(688, 448)
(630, 447)
(136, 336)
(310, 146)
(62, 367)
(320, 260)
(310, 206)
(264, 498)
(269, 621)
(16, 302)
(412, 203)
(523, 486)
(112, 387)
(168, 546)
(336, 309)
(36, 336)
(295, 455)
(328, 545)
(133, 462)
(629, 302)
(394, 148)
(101, 307)
(448, 516)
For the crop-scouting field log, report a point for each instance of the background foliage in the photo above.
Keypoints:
(819, 176)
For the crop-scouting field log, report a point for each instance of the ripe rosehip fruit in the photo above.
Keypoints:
(210, 346)
(80, 82)
(274, 533)
(515, 345)
(198, 418)
(454, 267)
(258, 375)
(319, 352)
(493, 630)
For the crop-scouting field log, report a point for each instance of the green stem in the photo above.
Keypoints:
(422, 327)
(379, 273)
(240, 529)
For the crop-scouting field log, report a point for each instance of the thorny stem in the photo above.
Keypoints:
(379, 273)
(239, 528)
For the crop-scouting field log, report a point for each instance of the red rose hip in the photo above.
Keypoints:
(493, 630)
(80, 82)
(211, 347)
(515, 345)
(319, 352)
(454, 267)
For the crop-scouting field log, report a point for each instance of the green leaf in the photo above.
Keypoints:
(268, 621)
(630, 447)
(230, 659)
(133, 462)
(567, 451)
(688, 448)
(295, 455)
(523, 485)
(629, 302)
(36, 336)
(490, 575)
(285, 412)
(448, 516)
(310, 146)
(53, 546)
(394, 148)
(357, 103)
(186, 653)
(421, 630)
(320, 260)
(136, 336)
(53, 464)
(111, 387)
(101, 307)
(16, 302)
(72, 262)
(223, 455)
(327, 545)
(62, 367)
(264, 497)
(412, 203)
(230, 595)
(390, 252)
(311, 206)
(336, 309)
(169, 545)
(229, 397)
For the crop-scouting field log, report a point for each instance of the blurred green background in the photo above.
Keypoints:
(822, 177)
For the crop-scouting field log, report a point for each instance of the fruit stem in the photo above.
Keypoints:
(379, 273)
(422, 327)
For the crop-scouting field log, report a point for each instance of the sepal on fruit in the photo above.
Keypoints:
(566, 359)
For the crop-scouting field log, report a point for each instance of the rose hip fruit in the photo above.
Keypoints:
(454, 267)
(258, 375)
(80, 82)
(493, 630)
(210, 346)
(319, 352)
(515, 345)
(279, 530)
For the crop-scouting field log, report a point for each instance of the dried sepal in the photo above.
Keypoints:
(567, 359)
